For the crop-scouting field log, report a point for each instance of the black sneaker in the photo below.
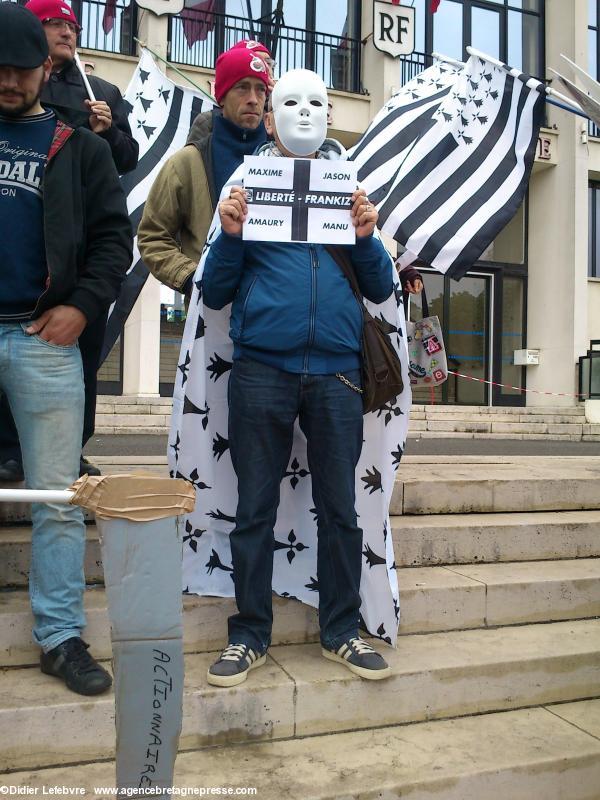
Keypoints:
(11, 471)
(72, 662)
(87, 468)
(234, 664)
(360, 658)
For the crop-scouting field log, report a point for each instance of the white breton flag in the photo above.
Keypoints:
(160, 115)
(447, 160)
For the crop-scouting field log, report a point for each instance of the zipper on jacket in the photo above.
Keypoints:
(314, 263)
(245, 306)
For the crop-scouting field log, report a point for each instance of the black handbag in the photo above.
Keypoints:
(380, 364)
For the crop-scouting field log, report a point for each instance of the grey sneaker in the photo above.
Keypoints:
(360, 658)
(234, 664)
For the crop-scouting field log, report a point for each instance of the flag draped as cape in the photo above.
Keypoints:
(199, 452)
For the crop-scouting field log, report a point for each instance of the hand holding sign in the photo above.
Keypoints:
(233, 211)
(364, 215)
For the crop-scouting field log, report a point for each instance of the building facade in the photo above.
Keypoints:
(538, 284)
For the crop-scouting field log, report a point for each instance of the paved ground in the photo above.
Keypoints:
(146, 445)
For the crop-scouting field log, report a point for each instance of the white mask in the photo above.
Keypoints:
(299, 103)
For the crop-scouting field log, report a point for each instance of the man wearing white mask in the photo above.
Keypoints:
(296, 330)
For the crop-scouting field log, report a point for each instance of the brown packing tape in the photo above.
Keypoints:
(137, 497)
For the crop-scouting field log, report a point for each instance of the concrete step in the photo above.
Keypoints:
(471, 538)
(419, 541)
(433, 485)
(546, 753)
(152, 415)
(431, 599)
(298, 693)
(545, 484)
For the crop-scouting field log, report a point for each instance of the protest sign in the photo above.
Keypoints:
(299, 200)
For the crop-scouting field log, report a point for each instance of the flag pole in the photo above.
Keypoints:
(455, 62)
(175, 69)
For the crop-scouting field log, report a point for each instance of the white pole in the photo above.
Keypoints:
(442, 57)
(86, 83)
(35, 496)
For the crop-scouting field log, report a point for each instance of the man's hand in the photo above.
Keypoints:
(233, 211)
(364, 215)
(61, 325)
(101, 116)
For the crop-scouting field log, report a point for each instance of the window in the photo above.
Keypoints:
(593, 49)
(594, 230)
(511, 30)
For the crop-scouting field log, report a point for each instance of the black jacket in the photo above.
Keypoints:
(66, 89)
(87, 230)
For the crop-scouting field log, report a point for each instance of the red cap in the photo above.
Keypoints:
(252, 44)
(236, 64)
(52, 9)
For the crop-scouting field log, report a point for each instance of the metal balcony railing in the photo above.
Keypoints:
(108, 26)
(413, 64)
(197, 38)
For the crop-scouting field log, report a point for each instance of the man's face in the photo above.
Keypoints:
(244, 103)
(62, 40)
(20, 89)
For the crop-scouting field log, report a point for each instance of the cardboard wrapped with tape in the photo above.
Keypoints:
(137, 497)
(140, 520)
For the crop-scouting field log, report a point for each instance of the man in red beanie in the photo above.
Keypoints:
(181, 203)
(108, 119)
(65, 87)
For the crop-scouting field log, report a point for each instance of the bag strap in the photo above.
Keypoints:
(341, 258)
(424, 303)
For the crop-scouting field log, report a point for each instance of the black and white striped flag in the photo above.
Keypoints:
(160, 114)
(448, 158)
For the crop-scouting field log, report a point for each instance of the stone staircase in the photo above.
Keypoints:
(151, 415)
(495, 690)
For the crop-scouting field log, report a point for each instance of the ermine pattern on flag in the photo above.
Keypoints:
(160, 115)
(447, 160)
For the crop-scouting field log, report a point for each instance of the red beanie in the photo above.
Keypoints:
(252, 44)
(234, 65)
(52, 9)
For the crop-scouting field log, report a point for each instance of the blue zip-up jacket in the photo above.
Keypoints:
(292, 306)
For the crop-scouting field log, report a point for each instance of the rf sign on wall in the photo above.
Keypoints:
(393, 28)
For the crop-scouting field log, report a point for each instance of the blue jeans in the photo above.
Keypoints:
(44, 387)
(264, 403)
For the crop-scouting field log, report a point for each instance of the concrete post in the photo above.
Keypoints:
(380, 72)
(141, 352)
(558, 235)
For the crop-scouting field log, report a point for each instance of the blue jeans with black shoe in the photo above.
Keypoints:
(264, 403)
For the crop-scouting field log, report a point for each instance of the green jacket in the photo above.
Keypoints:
(179, 210)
